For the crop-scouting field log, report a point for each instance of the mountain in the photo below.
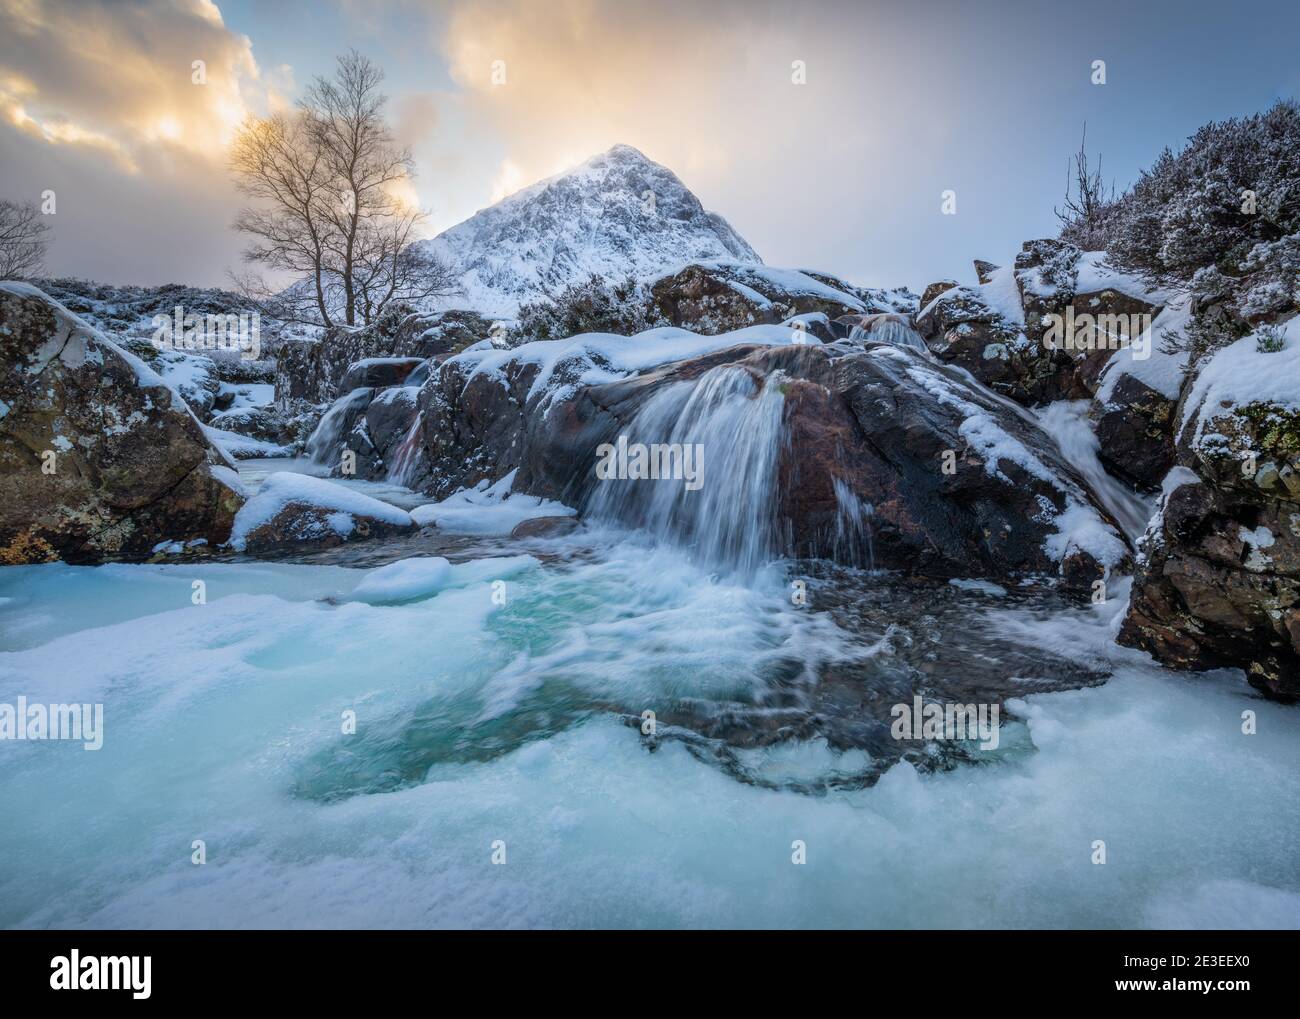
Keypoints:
(591, 219)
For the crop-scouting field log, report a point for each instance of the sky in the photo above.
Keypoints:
(844, 172)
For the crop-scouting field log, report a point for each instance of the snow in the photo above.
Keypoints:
(230, 478)
(1239, 375)
(243, 446)
(1094, 276)
(1162, 371)
(344, 504)
(608, 357)
(487, 509)
(415, 579)
(1002, 295)
(248, 395)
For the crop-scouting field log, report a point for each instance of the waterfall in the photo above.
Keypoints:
(407, 452)
(1066, 421)
(326, 442)
(853, 539)
(735, 426)
(889, 328)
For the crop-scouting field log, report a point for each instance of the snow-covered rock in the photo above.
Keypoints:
(1219, 577)
(99, 456)
(295, 509)
(999, 331)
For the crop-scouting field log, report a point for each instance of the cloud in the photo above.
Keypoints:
(710, 92)
(124, 110)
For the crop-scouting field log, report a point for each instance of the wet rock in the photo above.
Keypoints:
(378, 372)
(99, 458)
(862, 467)
(545, 527)
(1134, 427)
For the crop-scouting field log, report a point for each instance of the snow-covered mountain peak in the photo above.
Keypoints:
(618, 214)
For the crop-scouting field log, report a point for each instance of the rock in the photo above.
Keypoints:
(130, 467)
(545, 527)
(1218, 584)
(865, 428)
(1134, 427)
(378, 372)
(1059, 282)
(984, 270)
(1010, 349)
(718, 297)
(296, 510)
(315, 370)
(934, 290)
(1218, 581)
(963, 328)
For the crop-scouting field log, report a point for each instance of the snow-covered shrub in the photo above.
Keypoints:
(595, 305)
(1221, 220)
(1271, 339)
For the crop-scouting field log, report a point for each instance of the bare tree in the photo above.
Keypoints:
(23, 239)
(325, 178)
(1083, 220)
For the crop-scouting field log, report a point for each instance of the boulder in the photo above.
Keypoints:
(1004, 339)
(296, 510)
(1218, 584)
(984, 270)
(962, 327)
(315, 370)
(99, 458)
(717, 297)
(934, 290)
(544, 527)
(378, 372)
(860, 465)
(1218, 580)
(882, 458)
(1134, 427)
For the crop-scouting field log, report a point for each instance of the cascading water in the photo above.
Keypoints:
(407, 452)
(325, 443)
(732, 427)
(853, 540)
(893, 329)
(1066, 421)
